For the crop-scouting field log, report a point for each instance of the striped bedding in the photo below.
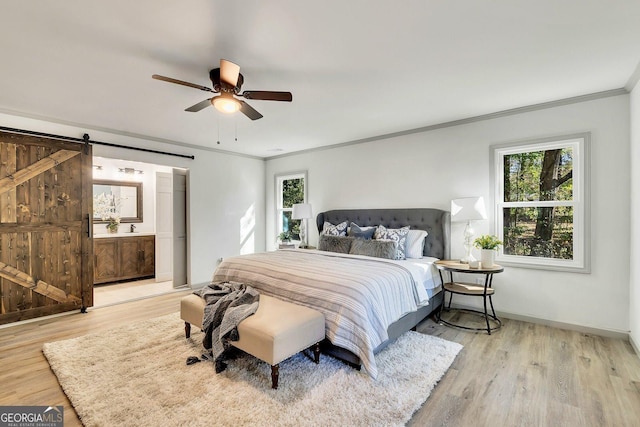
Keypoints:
(359, 296)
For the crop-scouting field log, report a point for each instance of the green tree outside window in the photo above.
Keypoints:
(291, 189)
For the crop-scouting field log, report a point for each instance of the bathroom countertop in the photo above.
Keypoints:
(122, 234)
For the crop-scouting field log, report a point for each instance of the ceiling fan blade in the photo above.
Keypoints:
(266, 95)
(181, 82)
(249, 111)
(199, 106)
(229, 72)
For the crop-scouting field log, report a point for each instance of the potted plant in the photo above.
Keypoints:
(107, 208)
(488, 245)
(285, 240)
(285, 236)
(112, 224)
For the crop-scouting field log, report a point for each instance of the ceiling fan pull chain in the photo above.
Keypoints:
(218, 130)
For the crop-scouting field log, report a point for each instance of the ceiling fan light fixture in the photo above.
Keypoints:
(226, 104)
(227, 82)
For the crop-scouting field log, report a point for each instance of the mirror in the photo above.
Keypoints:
(121, 199)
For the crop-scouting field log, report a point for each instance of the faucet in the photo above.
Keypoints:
(133, 228)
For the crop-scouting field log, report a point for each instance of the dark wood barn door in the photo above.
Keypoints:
(45, 247)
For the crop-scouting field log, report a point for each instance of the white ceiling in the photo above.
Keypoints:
(357, 69)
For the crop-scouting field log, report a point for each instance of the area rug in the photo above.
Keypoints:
(138, 376)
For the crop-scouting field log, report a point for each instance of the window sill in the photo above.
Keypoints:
(543, 264)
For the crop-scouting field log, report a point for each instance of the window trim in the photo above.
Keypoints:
(581, 203)
(278, 194)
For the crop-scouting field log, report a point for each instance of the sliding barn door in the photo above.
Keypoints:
(45, 249)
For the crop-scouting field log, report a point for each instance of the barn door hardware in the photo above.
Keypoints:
(86, 139)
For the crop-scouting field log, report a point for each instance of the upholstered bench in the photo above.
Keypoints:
(275, 332)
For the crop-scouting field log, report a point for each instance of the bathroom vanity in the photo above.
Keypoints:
(123, 256)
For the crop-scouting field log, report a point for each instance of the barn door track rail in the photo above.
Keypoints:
(86, 140)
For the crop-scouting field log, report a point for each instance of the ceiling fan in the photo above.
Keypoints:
(227, 81)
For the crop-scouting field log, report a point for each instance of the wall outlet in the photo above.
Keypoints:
(479, 281)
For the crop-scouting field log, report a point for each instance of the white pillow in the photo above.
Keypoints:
(415, 243)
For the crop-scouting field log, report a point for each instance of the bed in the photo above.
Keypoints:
(367, 302)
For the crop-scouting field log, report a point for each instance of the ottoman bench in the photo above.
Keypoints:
(275, 332)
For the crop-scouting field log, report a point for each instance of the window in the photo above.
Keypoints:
(290, 189)
(541, 199)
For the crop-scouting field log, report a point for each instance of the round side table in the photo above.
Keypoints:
(472, 289)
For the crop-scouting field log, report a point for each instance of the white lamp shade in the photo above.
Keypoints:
(468, 209)
(301, 211)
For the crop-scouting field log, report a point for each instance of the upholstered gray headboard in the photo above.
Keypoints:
(436, 222)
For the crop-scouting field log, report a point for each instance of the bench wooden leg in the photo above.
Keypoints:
(187, 329)
(316, 353)
(274, 375)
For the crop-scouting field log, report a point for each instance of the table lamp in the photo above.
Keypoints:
(468, 209)
(302, 211)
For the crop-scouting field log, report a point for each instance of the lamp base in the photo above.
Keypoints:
(467, 260)
(303, 234)
(468, 239)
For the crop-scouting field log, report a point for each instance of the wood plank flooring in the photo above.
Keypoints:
(25, 375)
(527, 374)
(116, 293)
(522, 375)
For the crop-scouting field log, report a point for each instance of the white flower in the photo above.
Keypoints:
(107, 207)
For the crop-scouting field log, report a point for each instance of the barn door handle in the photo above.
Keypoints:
(89, 227)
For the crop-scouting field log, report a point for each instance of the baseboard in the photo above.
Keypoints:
(635, 346)
(199, 285)
(560, 325)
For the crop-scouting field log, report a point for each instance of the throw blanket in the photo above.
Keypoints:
(228, 304)
(359, 296)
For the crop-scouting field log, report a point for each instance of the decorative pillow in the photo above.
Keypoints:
(415, 243)
(334, 230)
(398, 235)
(340, 244)
(375, 248)
(361, 232)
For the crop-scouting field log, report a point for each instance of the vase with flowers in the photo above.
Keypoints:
(107, 208)
(488, 245)
(112, 224)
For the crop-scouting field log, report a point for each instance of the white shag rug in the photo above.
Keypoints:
(137, 375)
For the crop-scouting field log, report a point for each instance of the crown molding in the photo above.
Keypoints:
(633, 79)
(551, 104)
(85, 127)
(490, 116)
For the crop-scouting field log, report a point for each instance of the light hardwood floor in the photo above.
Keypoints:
(522, 375)
(528, 374)
(116, 293)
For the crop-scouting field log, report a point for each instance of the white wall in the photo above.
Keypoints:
(225, 199)
(429, 169)
(634, 305)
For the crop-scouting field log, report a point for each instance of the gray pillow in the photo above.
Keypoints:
(340, 244)
(361, 232)
(375, 248)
